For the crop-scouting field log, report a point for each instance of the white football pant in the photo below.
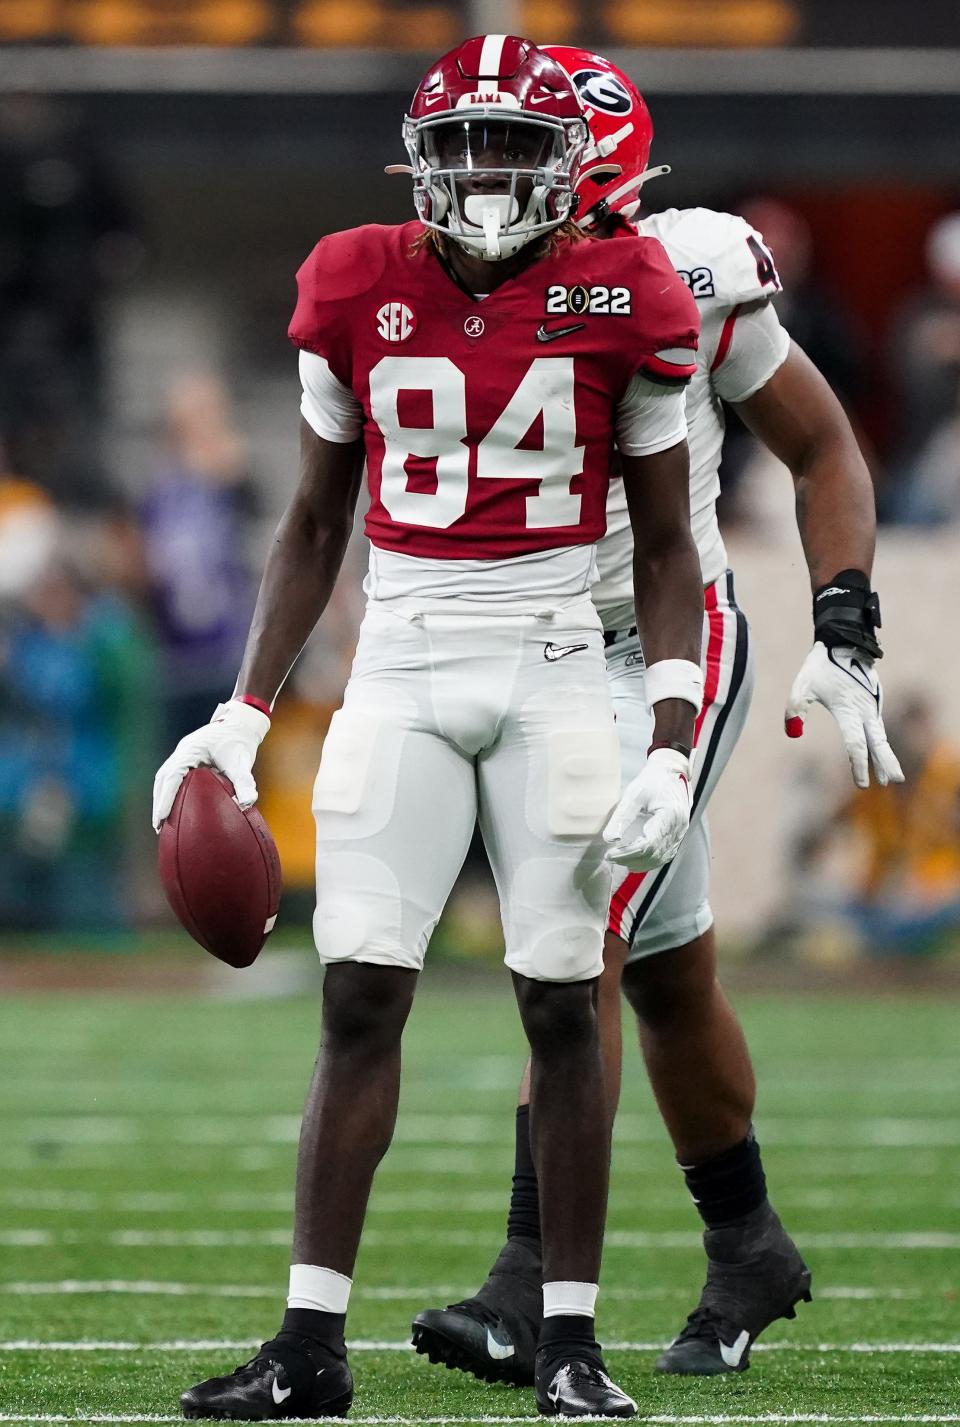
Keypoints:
(448, 717)
(657, 911)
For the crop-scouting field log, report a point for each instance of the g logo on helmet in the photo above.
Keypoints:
(603, 91)
(396, 322)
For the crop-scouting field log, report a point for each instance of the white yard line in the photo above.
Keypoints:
(877, 1132)
(436, 1201)
(153, 1288)
(724, 1419)
(376, 1345)
(914, 1240)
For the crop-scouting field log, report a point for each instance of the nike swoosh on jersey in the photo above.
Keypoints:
(560, 651)
(550, 334)
(499, 1350)
(732, 1355)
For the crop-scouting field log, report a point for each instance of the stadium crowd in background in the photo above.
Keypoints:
(117, 582)
(880, 873)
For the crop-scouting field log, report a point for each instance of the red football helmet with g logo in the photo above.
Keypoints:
(494, 133)
(613, 166)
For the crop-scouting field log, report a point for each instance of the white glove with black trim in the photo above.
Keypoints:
(844, 680)
(228, 742)
(648, 824)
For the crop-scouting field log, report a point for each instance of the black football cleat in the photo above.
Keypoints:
(494, 1335)
(291, 1376)
(578, 1386)
(754, 1275)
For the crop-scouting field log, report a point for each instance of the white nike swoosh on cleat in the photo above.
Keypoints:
(499, 1350)
(732, 1355)
(280, 1394)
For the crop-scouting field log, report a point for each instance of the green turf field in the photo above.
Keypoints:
(147, 1158)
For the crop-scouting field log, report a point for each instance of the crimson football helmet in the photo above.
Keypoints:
(613, 166)
(494, 133)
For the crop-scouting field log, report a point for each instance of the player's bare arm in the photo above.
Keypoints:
(303, 562)
(799, 419)
(298, 579)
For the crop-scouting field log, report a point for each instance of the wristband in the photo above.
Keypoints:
(254, 703)
(673, 679)
(847, 611)
(683, 748)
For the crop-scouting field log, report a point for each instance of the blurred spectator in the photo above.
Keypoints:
(904, 841)
(925, 350)
(75, 683)
(925, 373)
(930, 491)
(816, 319)
(196, 519)
(65, 235)
(825, 330)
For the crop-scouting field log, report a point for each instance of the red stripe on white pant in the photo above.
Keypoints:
(631, 884)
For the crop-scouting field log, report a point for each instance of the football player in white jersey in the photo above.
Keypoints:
(660, 946)
(430, 349)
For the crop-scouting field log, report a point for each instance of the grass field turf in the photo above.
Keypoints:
(148, 1149)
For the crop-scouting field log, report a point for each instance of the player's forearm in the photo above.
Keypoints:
(836, 515)
(799, 419)
(303, 562)
(669, 602)
(297, 583)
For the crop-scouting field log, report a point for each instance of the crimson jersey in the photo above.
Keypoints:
(489, 424)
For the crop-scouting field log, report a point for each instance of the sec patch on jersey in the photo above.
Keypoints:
(220, 868)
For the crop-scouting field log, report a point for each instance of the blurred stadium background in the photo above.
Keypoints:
(164, 167)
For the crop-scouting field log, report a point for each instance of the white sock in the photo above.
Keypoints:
(566, 1297)
(322, 1289)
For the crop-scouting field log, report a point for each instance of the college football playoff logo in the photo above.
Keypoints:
(396, 322)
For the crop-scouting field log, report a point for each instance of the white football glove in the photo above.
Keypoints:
(648, 824)
(228, 742)
(844, 680)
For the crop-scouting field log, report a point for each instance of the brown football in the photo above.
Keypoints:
(220, 868)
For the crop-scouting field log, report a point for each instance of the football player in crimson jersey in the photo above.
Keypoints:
(483, 360)
(660, 942)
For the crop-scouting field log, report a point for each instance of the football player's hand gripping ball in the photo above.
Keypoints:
(649, 822)
(844, 680)
(228, 742)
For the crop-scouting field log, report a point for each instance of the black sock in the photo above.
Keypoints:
(729, 1185)
(523, 1221)
(567, 1334)
(327, 1329)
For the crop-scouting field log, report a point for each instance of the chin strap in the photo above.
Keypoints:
(491, 231)
(602, 209)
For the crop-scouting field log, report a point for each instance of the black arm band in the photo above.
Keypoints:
(847, 611)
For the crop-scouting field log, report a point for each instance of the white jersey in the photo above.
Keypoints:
(727, 267)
